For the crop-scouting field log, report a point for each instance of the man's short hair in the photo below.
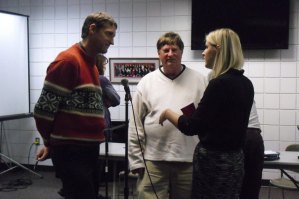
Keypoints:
(100, 19)
(170, 38)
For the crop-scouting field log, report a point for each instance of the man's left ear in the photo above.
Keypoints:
(92, 28)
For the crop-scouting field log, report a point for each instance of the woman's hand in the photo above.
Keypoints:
(170, 115)
(162, 117)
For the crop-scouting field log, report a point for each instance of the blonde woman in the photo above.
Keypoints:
(220, 120)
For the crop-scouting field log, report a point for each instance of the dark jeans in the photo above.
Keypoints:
(253, 164)
(77, 167)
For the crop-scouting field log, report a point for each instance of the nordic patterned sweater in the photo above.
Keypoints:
(70, 108)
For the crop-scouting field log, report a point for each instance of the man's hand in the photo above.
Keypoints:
(43, 153)
(139, 171)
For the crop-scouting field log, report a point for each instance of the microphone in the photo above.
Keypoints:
(125, 82)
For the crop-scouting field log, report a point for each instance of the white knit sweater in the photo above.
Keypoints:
(154, 93)
(253, 118)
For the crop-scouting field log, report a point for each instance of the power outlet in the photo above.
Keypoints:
(37, 141)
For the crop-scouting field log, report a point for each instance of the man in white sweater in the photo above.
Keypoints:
(167, 153)
(253, 158)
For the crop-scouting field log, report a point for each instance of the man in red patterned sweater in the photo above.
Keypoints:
(69, 112)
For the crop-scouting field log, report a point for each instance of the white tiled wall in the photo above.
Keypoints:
(56, 24)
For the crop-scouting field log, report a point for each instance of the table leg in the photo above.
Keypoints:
(114, 180)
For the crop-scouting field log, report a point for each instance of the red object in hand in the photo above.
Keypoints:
(188, 110)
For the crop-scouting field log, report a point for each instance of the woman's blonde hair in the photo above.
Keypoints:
(229, 50)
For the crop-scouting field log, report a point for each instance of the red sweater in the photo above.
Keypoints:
(70, 108)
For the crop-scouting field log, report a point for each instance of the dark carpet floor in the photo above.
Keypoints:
(25, 185)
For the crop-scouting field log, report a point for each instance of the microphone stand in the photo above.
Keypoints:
(107, 137)
(108, 132)
(126, 189)
(124, 82)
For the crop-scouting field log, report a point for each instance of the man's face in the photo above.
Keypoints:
(170, 55)
(103, 38)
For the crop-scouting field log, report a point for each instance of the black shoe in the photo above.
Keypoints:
(61, 192)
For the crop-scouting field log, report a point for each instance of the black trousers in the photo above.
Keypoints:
(77, 167)
(253, 164)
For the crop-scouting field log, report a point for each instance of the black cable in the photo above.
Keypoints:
(36, 163)
(29, 153)
(139, 142)
(14, 185)
(21, 183)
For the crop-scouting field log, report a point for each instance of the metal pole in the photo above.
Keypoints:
(126, 188)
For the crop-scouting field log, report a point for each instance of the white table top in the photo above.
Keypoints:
(114, 149)
(288, 160)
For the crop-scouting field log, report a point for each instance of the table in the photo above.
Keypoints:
(116, 152)
(288, 161)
